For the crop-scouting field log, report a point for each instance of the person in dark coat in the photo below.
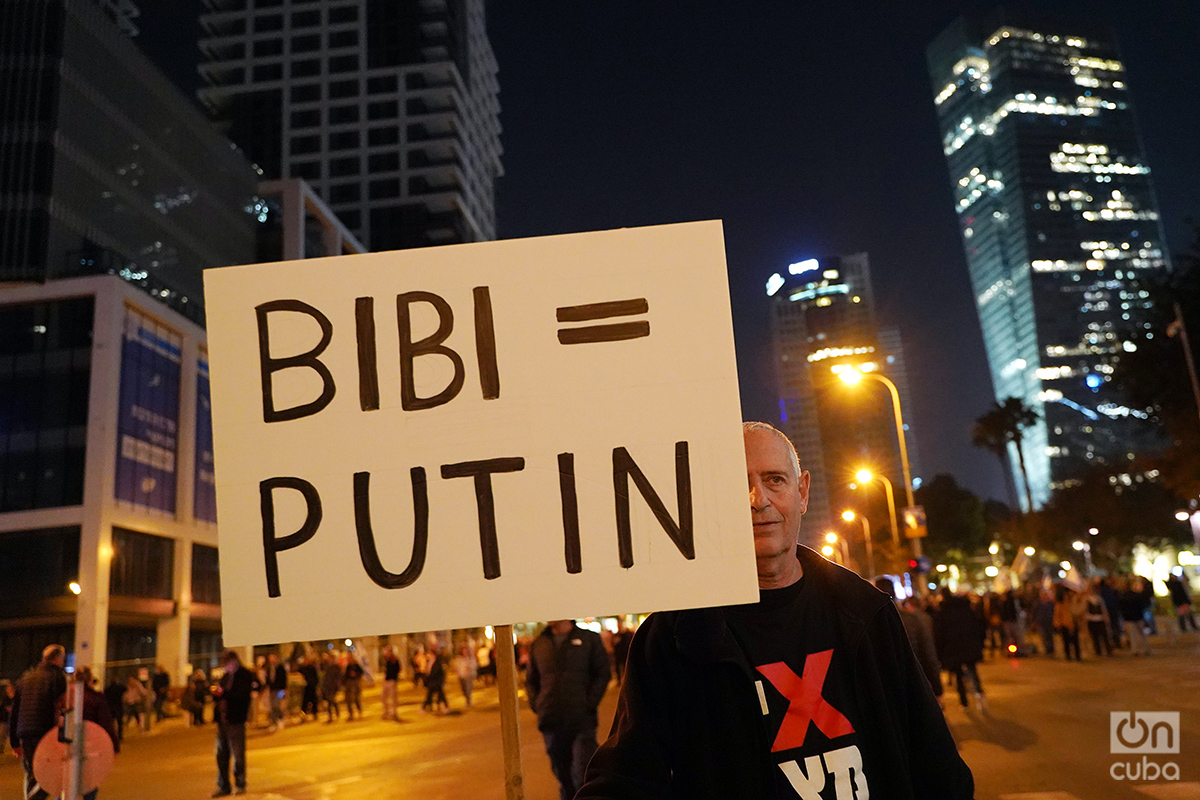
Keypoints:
(233, 695)
(919, 628)
(566, 678)
(38, 699)
(435, 681)
(198, 688)
(814, 686)
(95, 709)
(309, 703)
(114, 695)
(1181, 598)
(331, 684)
(958, 632)
(160, 684)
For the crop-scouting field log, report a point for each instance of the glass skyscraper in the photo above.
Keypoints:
(1059, 225)
(823, 314)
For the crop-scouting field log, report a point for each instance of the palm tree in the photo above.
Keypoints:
(1003, 423)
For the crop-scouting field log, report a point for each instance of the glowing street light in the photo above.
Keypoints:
(994, 548)
(852, 375)
(833, 539)
(850, 516)
(1182, 516)
(1029, 551)
(1066, 565)
(1093, 531)
(827, 551)
(991, 571)
(1077, 545)
(865, 476)
(75, 587)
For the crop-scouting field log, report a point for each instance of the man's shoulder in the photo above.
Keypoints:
(846, 591)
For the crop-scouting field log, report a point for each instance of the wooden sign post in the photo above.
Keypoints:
(510, 725)
(438, 438)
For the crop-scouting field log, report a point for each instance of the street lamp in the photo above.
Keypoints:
(834, 539)
(1086, 549)
(866, 476)
(849, 517)
(852, 375)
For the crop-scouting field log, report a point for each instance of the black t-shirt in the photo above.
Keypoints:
(391, 669)
(805, 689)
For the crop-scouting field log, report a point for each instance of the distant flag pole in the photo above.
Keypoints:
(1177, 328)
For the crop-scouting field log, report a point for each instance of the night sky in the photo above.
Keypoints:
(809, 129)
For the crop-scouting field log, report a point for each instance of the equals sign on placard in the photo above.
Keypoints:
(608, 332)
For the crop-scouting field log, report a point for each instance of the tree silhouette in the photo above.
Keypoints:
(1004, 423)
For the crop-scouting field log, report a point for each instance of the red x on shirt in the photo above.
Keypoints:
(805, 703)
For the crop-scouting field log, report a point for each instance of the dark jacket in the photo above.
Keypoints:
(958, 632)
(95, 709)
(36, 703)
(688, 726)
(233, 703)
(566, 683)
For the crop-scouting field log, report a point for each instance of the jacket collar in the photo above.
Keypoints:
(703, 635)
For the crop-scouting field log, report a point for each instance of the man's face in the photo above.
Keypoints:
(778, 496)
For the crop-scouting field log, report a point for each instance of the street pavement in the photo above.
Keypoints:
(1044, 736)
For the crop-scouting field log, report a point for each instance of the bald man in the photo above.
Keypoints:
(812, 692)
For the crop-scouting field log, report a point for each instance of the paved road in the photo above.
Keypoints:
(1045, 736)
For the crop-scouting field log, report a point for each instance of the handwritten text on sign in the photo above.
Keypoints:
(477, 434)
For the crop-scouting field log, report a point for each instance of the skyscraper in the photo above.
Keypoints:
(388, 108)
(823, 314)
(1059, 224)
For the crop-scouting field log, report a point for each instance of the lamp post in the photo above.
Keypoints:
(1087, 554)
(866, 476)
(866, 523)
(852, 375)
(843, 551)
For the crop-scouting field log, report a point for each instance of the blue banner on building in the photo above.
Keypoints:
(205, 495)
(148, 425)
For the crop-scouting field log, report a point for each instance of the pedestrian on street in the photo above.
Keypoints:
(160, 685)
(233, 694)
(487, 664)
(276, 688)
(310, 702)
(331, 683)
(391, 678)
(1095, 615)
(37, 701)
(135, 700)
(1043, 615)
(418, 661)
(810, 688)
(352, 686)
(114, 695)
(435, 681)
(1134, 605)
(568, 672)
(95, 709)
(1066, 621)
(1181, 598)
(1112, 604)
(466, 669)
(958, 631)
(199, 691)
(919, 629)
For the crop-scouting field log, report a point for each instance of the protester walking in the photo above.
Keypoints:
(276, 676)
(391, 678)
(233, 695)
(1066, 622)
(198, 688)
(310, 701)
(958, 632)
(1095, 615)
(331, 682)
(95, 709)
(466, 669)
(1133, 611)
(352, 686)
(435, 682)
(36, 703)
(1181, 598)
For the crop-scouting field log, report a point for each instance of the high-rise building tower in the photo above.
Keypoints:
(1059, 224)
(388, 108)
(822, 315)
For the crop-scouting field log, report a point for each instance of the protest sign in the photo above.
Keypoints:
(457, 436)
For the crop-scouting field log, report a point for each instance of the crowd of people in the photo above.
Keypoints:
(954, 632)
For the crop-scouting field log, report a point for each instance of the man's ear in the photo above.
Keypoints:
(805, 482)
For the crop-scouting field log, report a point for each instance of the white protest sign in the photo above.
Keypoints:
(477, 434)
